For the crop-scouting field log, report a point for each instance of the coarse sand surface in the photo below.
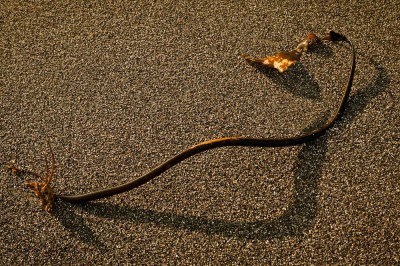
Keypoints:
(120, 86)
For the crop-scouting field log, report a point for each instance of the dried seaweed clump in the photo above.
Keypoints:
(283, 60)
(42, 189)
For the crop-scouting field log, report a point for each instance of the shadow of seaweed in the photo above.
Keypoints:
(76, 225)
(297, 80)
(360, 99)
(298, 217)
(293, 222)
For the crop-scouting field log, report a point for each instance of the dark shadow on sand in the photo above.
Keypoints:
(299, 216)
(297, 80)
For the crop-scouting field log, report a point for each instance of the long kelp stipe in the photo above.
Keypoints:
(280, 61)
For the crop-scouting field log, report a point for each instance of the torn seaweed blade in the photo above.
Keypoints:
(283, 60)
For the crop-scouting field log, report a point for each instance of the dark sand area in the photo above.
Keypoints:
(120, 87)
